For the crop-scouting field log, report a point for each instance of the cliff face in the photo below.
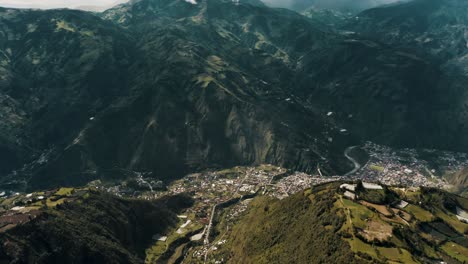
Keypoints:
(170, 87)
(164, 87)
(435, 33)
(459, 180)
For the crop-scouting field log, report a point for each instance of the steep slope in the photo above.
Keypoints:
(202, 99)
(459, 180)
(195, 90)
(402, 75)
(58, 69)
(436, 31)
(82, 226)
(322, 225)
(170, 87)
(438, 27)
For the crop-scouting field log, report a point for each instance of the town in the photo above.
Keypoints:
(409, 167)
(215, 190)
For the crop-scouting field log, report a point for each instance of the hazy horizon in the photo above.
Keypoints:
(51, 4)
(351, 5)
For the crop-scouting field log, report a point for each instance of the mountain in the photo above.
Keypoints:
(330, 18)
(338, 222)
(437, 27)
(435, 32)
(345, 6)
(153, 99)
(321, 225)
(99, 8)
(171, 87)
(168, 91)
(82, 226)
(459, 181)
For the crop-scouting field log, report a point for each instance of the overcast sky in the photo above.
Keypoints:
(57, 3)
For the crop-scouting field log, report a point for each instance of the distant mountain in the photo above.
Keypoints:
(346, 6)
(435, 32)
(99, 8)
(331, 18)
(437, 26)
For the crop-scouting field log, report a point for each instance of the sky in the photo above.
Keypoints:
(58, 3)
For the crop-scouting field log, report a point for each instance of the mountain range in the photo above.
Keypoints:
(169, 87)
(345, 6)
(170, 131)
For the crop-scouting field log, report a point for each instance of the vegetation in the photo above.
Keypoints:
(171, 88)
(91, 227)
(419, 213)
(269, 232)
(321, 219)
(376, 168)
(456, 251)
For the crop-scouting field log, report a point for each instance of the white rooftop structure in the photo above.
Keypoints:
(196, 237)
(350, 195)
(371, 186)
(350, 187)
(462, 215)
(402, 204)
(160, 238)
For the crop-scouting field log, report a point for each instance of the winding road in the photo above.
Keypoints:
(357, 166)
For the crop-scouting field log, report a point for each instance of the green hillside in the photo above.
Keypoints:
(82, 226)
(321, 225)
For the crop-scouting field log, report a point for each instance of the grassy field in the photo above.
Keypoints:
(359, 214)
(64, 191)
(396, 255)
(358, 245)
(380, 208)
(419, 213)
(456, 251)
(51, 203)
(453, 221)
(376, 168)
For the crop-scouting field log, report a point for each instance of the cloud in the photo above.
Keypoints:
(58, 3)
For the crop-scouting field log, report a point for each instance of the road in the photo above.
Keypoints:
(357, 166)
(208, 229)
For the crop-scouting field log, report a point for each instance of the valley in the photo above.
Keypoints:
(204, 230)
(222, 197)
(219, 131)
